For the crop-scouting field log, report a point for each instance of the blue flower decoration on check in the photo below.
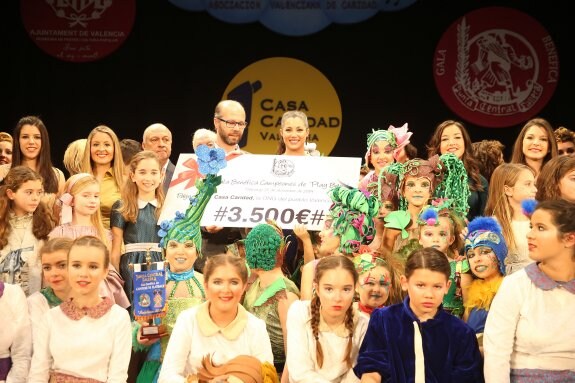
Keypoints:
(186, 226)
(210, 160)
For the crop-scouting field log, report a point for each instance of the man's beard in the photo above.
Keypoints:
(230, 140)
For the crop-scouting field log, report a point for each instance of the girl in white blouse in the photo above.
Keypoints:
(87, 338)
(529, 333)
(220, 327)
(324, 334)
(15, 335)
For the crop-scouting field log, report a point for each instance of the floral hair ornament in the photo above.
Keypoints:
(186, 226)
(486, 232)
(263, 244)
(402, 136)
(353, 212)
(429, 216)
(528, 207)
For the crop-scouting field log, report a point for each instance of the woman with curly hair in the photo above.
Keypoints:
(489, 155)
(452, 137)
(565, 141)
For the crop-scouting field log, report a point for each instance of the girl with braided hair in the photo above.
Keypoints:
(324, 334)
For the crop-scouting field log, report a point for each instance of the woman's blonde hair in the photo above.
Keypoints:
(6, 137)
(74, 155)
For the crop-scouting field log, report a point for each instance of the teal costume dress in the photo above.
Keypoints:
(263, 303)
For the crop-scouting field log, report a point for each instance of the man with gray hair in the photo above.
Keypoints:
(158, 139)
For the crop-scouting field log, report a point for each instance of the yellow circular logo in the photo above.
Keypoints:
(268, 88)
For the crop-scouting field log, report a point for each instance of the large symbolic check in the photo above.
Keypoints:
(287, 189)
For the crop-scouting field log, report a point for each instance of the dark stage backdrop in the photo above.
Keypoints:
(175, 66)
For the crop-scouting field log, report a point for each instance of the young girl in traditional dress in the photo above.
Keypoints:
(441, 228)
(485, 249)
(324, 334)
(87, 338)
(271, 294)
(529, 331)
(54, 259)
(25, 222)
(16, 335)
(220, 327)
(79, 216)
(417, 341)
(134, 217)
(510, 185)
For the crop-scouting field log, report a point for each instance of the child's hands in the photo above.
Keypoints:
(145, 341)
(300, 230)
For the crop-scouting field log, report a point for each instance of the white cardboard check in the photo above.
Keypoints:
(288, 189)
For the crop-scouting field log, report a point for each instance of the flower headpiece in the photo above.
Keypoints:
(186, 226)
(353, 212)
(485, 231)
(402, 136)
(263, 244)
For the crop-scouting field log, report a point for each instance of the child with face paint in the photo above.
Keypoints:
(379, 284)
(441, 228)
(419, 181)
(383, 148)
(486, 250)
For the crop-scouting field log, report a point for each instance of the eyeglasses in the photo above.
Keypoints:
(566, 151)
(233, 124)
